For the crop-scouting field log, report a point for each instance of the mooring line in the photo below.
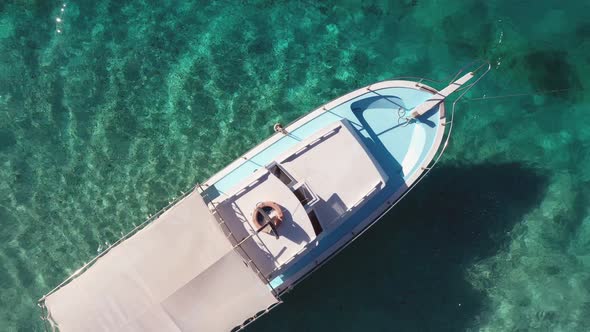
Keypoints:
(519, 94)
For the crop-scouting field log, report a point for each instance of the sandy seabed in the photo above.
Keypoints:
(108, 111)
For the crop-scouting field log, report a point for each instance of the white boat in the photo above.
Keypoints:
(224, 253)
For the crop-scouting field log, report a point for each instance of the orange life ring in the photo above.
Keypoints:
(273, 210)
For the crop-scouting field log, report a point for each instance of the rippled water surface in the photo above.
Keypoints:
(108, 109)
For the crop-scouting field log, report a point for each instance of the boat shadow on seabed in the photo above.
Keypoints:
(408, 272)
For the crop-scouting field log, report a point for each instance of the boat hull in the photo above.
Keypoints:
(404, 147)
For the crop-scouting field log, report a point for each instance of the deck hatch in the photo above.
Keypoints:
(303, 195)
(280, 173)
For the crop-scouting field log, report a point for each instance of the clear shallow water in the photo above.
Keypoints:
(105, 120)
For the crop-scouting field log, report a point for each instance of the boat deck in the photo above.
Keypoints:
(374, 115)
(306, 184)
(377, 114)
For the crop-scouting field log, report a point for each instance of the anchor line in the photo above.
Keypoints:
(515, 95)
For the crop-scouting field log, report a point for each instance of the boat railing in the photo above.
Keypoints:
(255, 317)
(344, 214)
(151, 218)
(41, 301)
(238, 243)
(295, 255)
(313, 143)
(486, 66)
(249, 227)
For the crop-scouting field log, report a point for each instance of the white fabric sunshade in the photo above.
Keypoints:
(179, 273)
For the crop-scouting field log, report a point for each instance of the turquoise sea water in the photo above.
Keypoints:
(109, 112)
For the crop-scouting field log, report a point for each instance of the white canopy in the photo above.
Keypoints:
(179, 273)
